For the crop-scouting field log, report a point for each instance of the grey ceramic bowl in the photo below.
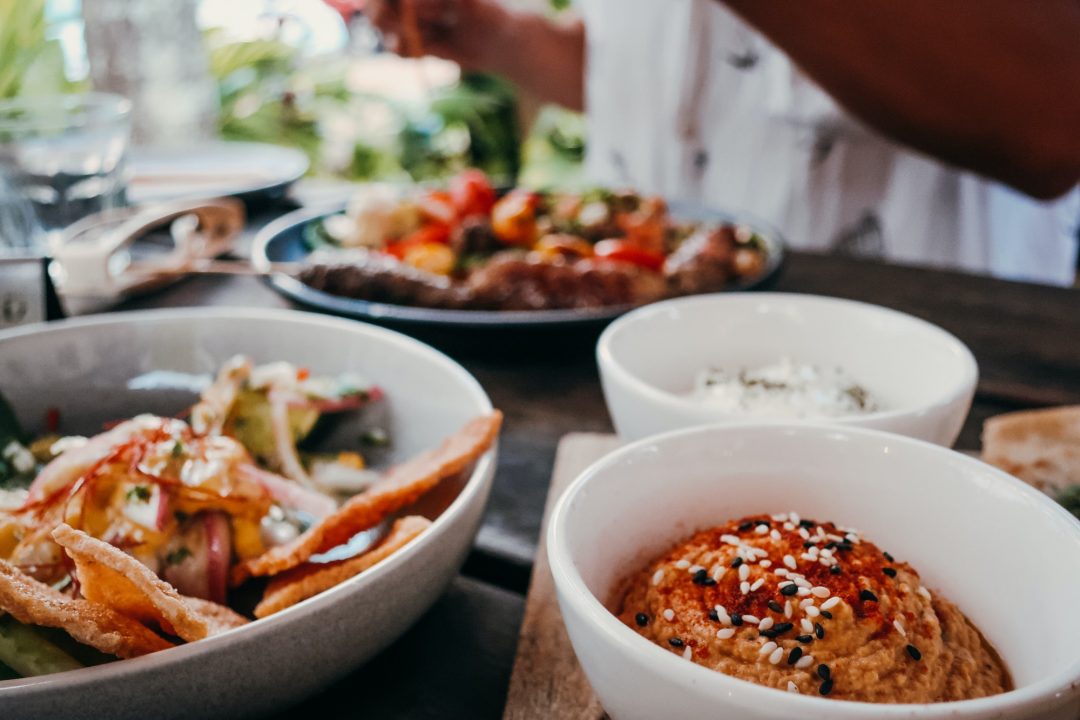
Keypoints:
(113, 366)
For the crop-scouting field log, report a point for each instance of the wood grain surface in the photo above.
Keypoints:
(547, 681)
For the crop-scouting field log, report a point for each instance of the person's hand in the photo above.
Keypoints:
(458, 30)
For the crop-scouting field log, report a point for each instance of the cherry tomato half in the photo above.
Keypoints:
(513, 219)
(438, 207)
(472, 193)
(624, 251)
(430, 234)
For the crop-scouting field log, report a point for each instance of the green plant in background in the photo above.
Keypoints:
(30, 63)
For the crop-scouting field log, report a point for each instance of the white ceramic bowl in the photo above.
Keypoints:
(923, 377)
(1007, 555)
(86, 368)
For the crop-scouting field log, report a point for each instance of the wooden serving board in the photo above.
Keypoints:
(547, 680)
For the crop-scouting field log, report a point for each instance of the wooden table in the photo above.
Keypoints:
(456, 662)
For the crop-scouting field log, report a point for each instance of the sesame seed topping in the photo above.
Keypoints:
(788, 526)
(658, 576)
(774, 534)
(701, 577)
(889, 557)
(891, 572)
(826, 614)
(675, 642)
(718, 572)
(781, 628)
(805, 603)
(804, 662)
(867, 596)
(641, 619)
(766, 623)
(819, 630)
(775, 606)
(731, 540)
(806, 625)
(746, 526)
(752, 619)
(805, 639)
(767, 648)
(792, 687)
(761, 529)
(744, 572)
(801, 581)
(725, 633)
(794, 517)
(787, 609)
(835, 569)
(765, 563)
(830, 603)
(899, 628)
(925, 593)
(794, 655)
(789, 590)
(669, 614)
(687, 653)
(737, 562)
(744, 587)
(812, 611)
(821, 591)
(682, 564)
(790, 562)
(776, 656)
(914, 652)
(826, 687)
(823, 671)
(802, 591)
(804, 534)
(757, 584)
(696, 569)
(782, 572)
(736, 619)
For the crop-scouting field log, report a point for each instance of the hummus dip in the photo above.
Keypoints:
(809, 607)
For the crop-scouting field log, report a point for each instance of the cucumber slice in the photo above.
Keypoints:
(27, 653)
(249, 422)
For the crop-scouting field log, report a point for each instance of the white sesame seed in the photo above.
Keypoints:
(774, 534)
(812, 611)
(718, 572)
(834, 538)
(767, 648)
(682, 564)
(805, 603)
(776, 656)
(669, 614)
(808, 556)
(802, 582)
(730, 540)
(899, 628)
(694, 569)
(658, 576)
(821, 591)
(787, 609)
(687, 653)
(782, 572)
(744, 587)
(760, 552)
(788, 526)
(765, 624)
(806, 625)
(784, 583)
(826, 553)
(830, 603)
(766, 563)
(925, 593)
(744, 571)
(792, 687)
(804, 662)
(780, 517)
(803, 592)
(794, 517)
(725, 633)
(757, 584)
(752, 619)
(761, 529)
(804, 533)
(790, 562)
(852, 538)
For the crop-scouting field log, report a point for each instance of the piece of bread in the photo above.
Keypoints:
(1041, 447)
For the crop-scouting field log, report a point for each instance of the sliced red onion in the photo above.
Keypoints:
(290, 494)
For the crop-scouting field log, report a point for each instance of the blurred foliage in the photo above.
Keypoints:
(30, 63)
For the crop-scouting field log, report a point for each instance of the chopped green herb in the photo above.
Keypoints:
(178, 449)
(177, 556)
(139, 493)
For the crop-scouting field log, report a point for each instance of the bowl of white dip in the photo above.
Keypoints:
(769, 356)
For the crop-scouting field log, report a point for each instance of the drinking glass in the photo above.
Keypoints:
(65, 154)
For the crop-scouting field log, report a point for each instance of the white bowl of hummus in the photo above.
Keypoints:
(780, 357)
(689, 590)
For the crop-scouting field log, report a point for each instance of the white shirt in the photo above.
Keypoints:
(685, 100)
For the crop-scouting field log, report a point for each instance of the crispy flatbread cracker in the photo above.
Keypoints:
(35, 603)
(400, 487)
(308, 580)
(219, 618)
(1041, 447)
(110, 576)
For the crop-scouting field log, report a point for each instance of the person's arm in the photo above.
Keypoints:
(546, 57)
(989, 85)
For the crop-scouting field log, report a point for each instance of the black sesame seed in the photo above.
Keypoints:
(745, 526)
(830, 545)
(844, 547)
(736, 562)
(781, 628)
(914, 652)
(823, 671)
(889, 571)
(675, 642)
(789, 590)
(826, 614)
(714, 616)
(641, 619)
(794, 655)
(775, 606)
(807, 545)
(770, 633)
(736, 619)
(835, 569)
(867, 596)
(805, 639)
(819, 630)
(826, 687)
(708, 582)
(700, 576)
(806, 524)
(889, 557)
